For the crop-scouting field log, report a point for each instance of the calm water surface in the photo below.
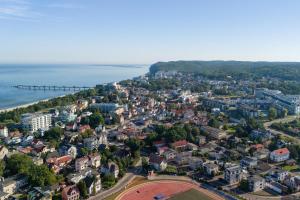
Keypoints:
(60, 75)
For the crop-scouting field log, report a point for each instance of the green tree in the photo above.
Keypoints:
(135, 145)
(108, 180)
(54, 134)
(171, 170)
(294, 151)
(272, 113)
(41, 176)
(19, 164)
(244, 185)
(284, 113)
(96, 119)
(84, 151)
(83, 189)
(38, 176)
(87, 133)
(214, 123)
(145, 163)
(2, 167)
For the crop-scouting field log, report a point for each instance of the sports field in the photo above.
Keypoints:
(191, 194)
(167, 189)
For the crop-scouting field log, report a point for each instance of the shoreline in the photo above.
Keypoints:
(3, 110)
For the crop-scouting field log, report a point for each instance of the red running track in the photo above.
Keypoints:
(148, 191)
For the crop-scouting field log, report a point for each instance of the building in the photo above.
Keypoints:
(35, 122)
(93, 160)
(233, 174)
(277, 187)
(293, 183)
(82, 104)
(211, 169)
(91, 143)
(278, 174)
(157, 162)
(183, 158)
(262, 154)
(3, 131)
(195, 163)
(111, 168)
(78, 176)
(3, 152)
(67, 117)
(105, 107)
(280, 155)
(70, 193)
(102, 138)
(70, 150)
(256, 183)
(161, 150)
(58, 163)
(12, 184)
(201, 140)
(289, 102)
(248, 111)
(261, 135)
(93, 184)
(180, 145)
(214, 132)
(81, 163)
(37, 193)
(249, 162)
(170, 154)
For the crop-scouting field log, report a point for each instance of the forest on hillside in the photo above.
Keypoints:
(237, 69)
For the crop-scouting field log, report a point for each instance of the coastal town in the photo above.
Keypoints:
(232, 137)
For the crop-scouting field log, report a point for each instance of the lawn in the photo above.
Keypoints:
(192, 194)
(291, 168)
(231, 130)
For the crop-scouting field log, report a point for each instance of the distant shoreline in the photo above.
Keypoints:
(22, 106)
(3, 110)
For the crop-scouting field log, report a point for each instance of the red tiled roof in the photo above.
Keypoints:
(179, 143)
(84, 128)
(25, 150)
(64, 159)
(160, 142)
(281, 151)
(59, 160)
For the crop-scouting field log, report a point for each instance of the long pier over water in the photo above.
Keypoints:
(52, 87)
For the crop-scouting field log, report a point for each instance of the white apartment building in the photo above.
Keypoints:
(290, 102)
(36, 121)
(3, 131)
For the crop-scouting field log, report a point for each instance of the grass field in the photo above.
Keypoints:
(291, 168)
(192, 194)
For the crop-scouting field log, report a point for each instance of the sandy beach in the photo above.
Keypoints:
(30, 104)
(22, 106)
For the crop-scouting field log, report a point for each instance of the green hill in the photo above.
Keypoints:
(236, 69)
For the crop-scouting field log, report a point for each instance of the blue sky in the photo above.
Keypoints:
(146, 31)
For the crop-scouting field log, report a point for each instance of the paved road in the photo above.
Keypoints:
(122, 183)
(257, 197)
(128, 177)
(283, 120)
